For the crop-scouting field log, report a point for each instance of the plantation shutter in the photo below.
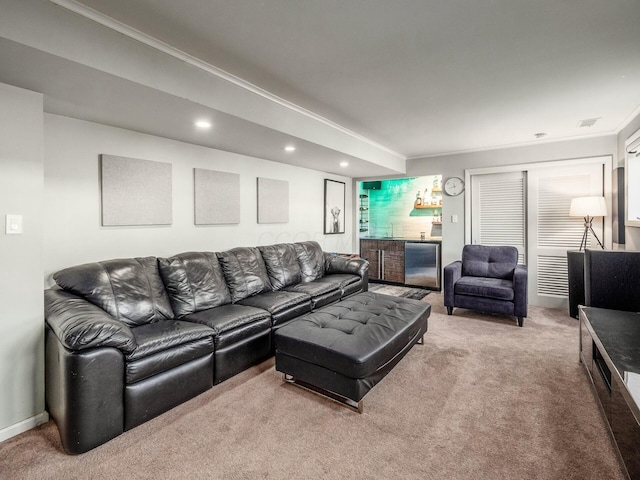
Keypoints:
(499, 211)
(552, 232)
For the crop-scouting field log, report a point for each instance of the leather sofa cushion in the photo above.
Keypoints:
(311, 260)
(158, 336)
(314, 288)
(194, 282)
(321, 293)
(340, 285)
(354, 337)
(278, 301)
(232, 323)
(485, 287)
(164, 360)
(129, 290)
(227, 317)
(342, 280)
(489, 261)
(282, 265)
(244, 271)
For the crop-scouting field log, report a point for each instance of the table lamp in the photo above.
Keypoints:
(588, 207)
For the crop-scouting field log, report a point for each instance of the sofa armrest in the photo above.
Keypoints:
(452, 274)
(337, 264)
(354, 266)
(79, 324)
(520, 276)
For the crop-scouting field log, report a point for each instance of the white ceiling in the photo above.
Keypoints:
(371, 82)
(421, 77)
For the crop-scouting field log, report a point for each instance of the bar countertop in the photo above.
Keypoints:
(406, 239)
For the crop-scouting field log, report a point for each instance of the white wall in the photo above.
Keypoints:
(453, 234)
(21, 300)
(72, 230)
(631, 234)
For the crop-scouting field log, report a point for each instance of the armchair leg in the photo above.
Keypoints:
(520, 321)
(449, 310)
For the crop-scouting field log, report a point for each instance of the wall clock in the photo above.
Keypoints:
(454, 186)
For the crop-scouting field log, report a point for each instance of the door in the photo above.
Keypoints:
(369, 251)
(392, 260)
(552, 232)
(529, 209)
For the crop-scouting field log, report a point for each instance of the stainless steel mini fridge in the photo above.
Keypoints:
(422, 264)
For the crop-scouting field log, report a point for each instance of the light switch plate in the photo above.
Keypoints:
(14, 225)
(454, 218)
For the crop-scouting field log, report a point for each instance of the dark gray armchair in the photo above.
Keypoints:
(488, 279)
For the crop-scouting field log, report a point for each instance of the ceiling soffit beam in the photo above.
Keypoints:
(387, 156)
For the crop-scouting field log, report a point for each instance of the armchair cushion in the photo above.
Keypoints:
(485, 261)
(485, 287)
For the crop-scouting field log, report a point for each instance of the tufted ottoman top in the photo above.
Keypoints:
(354, 337)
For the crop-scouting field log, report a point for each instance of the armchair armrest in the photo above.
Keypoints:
(452, 274)
(520, 291)
(80, 325)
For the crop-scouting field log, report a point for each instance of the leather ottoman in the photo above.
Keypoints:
(344, 349)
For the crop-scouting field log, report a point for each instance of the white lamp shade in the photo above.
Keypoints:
(588, 207)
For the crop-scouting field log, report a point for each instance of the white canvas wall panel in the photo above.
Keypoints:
(135, 192)
(217, 197)
(273, 201)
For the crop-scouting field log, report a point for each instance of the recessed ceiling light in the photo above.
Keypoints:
(289, 148)
(540, 135)
(344, 163)
(203, 124)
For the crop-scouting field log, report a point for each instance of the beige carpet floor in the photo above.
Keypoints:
(482, 399)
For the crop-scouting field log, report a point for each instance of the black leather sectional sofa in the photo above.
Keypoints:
(128, 339)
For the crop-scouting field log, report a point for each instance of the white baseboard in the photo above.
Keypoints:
(23, 426)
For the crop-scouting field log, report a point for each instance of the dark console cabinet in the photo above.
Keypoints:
(610, 352)
(575, 268)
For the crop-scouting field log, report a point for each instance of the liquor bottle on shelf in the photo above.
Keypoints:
(418, 199)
